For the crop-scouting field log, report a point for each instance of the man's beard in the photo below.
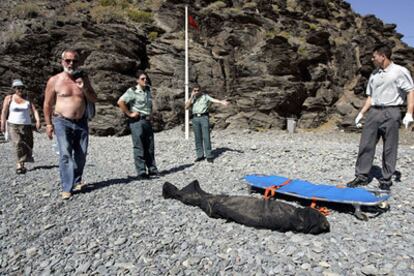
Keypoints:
(68, 70)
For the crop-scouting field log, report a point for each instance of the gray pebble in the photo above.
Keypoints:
(124, 226)
(31, 252)
(120, 241)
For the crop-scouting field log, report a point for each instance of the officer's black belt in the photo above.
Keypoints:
(200, 114)
(139, 118)
(385, 106)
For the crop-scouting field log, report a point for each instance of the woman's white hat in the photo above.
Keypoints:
(17, 83)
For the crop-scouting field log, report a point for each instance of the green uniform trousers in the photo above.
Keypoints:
(143, 144)
(201, 129)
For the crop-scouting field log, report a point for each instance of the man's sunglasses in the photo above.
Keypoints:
(70, 60)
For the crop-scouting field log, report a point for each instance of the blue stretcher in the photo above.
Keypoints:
(357, 197)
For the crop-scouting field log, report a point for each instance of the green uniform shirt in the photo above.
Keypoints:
(201, 104)
(138, 100)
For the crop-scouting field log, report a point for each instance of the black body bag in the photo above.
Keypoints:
(250, 211)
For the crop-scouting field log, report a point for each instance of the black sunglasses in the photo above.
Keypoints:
(70, 60)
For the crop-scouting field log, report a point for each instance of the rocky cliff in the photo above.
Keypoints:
(271, 59)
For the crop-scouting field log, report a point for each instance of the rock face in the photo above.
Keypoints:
(271, 59)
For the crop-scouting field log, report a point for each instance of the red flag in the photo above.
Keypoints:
(193, 23)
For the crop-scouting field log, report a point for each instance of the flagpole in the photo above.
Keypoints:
(187, 112)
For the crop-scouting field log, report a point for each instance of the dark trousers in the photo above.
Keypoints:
(143, 146)
(380, 123)
(201, 129)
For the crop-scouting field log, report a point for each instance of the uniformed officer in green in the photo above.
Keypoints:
(200, 103)
(136, 103)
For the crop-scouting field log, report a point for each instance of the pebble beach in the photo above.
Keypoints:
(122, 226)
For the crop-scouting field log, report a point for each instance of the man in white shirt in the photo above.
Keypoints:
(388, 87)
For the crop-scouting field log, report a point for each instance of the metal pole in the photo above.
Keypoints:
(187, 112)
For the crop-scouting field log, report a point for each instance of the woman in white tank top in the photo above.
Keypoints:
(16, 111)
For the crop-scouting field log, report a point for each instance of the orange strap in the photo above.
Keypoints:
(323, 210)
(271, 191)
(341, 186)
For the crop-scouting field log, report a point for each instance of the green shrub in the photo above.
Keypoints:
(250, 5)
(123, 4)
(154, 5)
(262, 128)
(292, 5)
(234, 11)
(107, 3)
(218, 4)
(276, 8)
(180, 35)
(270, 34)
(302, 50)
(102, 14)
(152, 36)
(76, 7)
(26, 10)
(137, 15)
(340, 40)
(215, 6)
(284, 34)
(14, 32)
(122, 9)
(312, 26)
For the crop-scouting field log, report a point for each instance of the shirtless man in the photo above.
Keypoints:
(68, 93)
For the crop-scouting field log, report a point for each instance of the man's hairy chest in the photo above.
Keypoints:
(65, 87)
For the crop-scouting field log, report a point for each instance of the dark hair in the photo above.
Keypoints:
(196, 86)
(383, 49)
(140, 72)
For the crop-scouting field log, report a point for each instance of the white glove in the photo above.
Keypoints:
(408, 118)
(358, 119)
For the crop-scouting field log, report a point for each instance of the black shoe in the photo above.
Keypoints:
(21, 170)
(30, 159)
(142, 176)
(210, 160)
(155, 173)
(199, 159)
(385, 185)
(357, 182)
